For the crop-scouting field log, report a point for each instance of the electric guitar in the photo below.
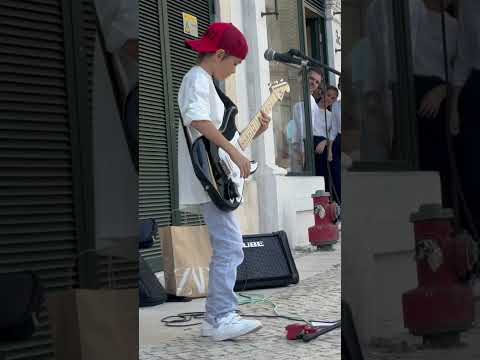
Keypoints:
(218, 174)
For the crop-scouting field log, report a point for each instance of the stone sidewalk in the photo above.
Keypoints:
(316, 297)
(410, 349)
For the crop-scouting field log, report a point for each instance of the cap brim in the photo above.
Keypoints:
(201, 45)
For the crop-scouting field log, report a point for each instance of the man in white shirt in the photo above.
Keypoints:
(315, 79)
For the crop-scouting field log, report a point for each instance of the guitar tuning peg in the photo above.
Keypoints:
(281, 80)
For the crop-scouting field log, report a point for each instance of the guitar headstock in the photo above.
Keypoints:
(279, 88)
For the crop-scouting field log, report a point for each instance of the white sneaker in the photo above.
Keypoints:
(206, 329)
(232, 326)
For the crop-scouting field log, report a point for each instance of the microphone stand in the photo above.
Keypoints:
(313, 62)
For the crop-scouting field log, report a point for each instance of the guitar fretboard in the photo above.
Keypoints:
(247, 135)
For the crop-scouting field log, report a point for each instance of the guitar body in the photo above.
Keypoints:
(218, 174)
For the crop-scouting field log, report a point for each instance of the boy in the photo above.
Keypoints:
(315, 81)
(220, 50)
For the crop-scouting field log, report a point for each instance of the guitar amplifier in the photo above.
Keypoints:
(268, 262)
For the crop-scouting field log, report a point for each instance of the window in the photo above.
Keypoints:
(297, 27)
(377, 132)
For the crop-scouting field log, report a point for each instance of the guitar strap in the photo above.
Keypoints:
(226, 102)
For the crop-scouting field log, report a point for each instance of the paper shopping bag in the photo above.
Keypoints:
(186, 253)
(94, 324)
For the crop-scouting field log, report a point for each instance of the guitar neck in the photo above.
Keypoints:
(247, 135)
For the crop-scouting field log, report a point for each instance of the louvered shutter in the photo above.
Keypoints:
(182, 59)
(155, 178)
(158, 109)
(37, 217)
(317, 5)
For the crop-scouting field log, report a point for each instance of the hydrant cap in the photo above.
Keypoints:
(321, 193)
(431, 212)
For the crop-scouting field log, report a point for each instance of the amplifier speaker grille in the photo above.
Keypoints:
(268, 262)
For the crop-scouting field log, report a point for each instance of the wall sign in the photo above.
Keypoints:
(190, 24)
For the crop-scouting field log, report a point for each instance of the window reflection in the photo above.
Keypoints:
(370, 81)
(283, 34)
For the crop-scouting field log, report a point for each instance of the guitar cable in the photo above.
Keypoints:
(185, 319)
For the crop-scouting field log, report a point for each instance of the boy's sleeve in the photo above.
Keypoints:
(195, 102)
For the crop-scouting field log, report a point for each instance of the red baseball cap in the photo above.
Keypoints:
(221, 36)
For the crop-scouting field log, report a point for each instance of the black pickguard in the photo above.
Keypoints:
(206, 162)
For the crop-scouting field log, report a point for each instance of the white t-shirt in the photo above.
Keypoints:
(318, 120)
(197, 100)
(427, 40)
(468, 41)
(322, 124)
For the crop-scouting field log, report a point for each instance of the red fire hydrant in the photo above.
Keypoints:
(442, 305)
(325, 231)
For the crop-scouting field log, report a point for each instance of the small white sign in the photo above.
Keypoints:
(190, 24)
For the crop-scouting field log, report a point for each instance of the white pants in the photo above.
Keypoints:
(227, 246)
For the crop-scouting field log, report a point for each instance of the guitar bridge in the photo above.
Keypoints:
(231, 192)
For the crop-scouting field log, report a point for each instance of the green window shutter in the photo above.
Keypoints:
(155, 199)
(38, 225)
(118, 273)
(181, 60)
(163, 62)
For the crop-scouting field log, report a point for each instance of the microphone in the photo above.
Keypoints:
(272, 55)
(296, 52)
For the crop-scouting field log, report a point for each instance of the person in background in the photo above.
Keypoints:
(430, 85)
(466, 97)
(336, 152)
(315, 80)
(323, 136)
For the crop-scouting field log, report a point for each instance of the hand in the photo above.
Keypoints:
(131, 48)
(264, 123)
(321, 147)
(242, 162)
(431, 102)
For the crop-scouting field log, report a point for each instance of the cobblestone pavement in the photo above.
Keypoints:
(316, 298)
(410, 349)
